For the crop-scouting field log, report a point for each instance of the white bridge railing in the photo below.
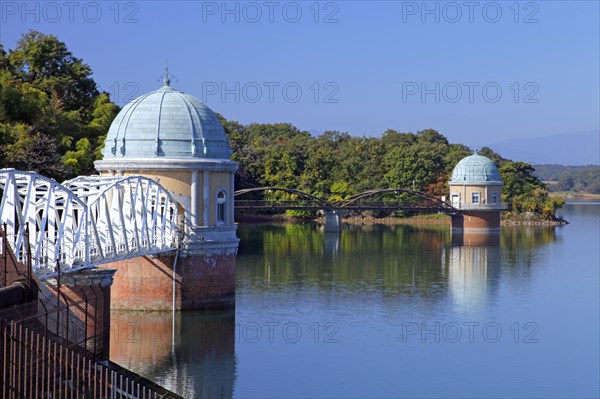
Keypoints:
(481, 207)
(86, 221)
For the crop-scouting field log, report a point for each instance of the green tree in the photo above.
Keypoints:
(80, 161)
(340, 191)
(518, 179)
(566, 182)
(35, 151)
(493, 155)
(48, 99)
(524, 192)
(103, 114)
(415, 166)
(432, 136)
(46, 62)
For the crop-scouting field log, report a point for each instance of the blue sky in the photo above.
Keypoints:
(478, 72)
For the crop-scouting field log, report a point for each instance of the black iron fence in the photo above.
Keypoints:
(35, 366)
(50, 346)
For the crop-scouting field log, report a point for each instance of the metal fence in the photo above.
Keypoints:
(34, 366)
(13, 267)
(50, 346)
(502, 206)
(36, 363)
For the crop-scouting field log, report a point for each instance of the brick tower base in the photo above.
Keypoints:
(201, 277)
(476, 220)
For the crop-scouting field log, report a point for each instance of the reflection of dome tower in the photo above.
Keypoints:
(472, 264)
(174, 138)
(476, 190)
(196, 360)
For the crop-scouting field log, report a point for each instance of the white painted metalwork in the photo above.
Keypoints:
(54, 217)
(86, 221)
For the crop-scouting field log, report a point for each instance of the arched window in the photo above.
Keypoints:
(221, 207)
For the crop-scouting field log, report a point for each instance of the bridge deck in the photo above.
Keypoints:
(296, 200)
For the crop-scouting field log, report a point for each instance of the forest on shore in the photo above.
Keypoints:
(53, 119)
(583, 179)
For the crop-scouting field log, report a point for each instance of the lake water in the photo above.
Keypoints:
(389, 311)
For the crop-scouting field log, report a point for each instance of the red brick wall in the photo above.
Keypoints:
(89, 306)
(146, 283)
(476, 220)
(10, 269)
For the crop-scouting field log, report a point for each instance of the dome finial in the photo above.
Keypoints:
(166, 79)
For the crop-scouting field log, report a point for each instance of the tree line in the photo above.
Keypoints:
(336, 165)
(53, 119)
(577, 179)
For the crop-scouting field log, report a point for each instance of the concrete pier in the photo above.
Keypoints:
(333, 221)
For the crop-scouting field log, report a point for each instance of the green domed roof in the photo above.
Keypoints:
(169, 124)
(475, 169)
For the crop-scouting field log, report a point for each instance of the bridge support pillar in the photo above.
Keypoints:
(477, 220)
(457, 221)
(333, 221)
(87, 294)
(201, 276)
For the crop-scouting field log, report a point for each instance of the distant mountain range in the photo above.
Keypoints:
(581, 148)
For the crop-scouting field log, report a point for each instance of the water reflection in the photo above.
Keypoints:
(384, 261)
(332, 246)
(193, 354)
(394, 259)
(472, 264)
(377, 276)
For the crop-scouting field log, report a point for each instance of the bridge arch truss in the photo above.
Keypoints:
(367, 200)
(423, 203)
(302, 200)
(86, 221)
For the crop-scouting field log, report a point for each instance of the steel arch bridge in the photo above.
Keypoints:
(368, 200)
(417, 202)
(91, 220)
(86, 221)
(301, 200)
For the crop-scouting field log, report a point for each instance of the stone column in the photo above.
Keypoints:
(457, 221)
(231, 199)
(333, 221)
(194, 188)
(206, 198)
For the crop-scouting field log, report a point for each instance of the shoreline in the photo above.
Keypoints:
(413, 220)
(510, 222)
(566, 195)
